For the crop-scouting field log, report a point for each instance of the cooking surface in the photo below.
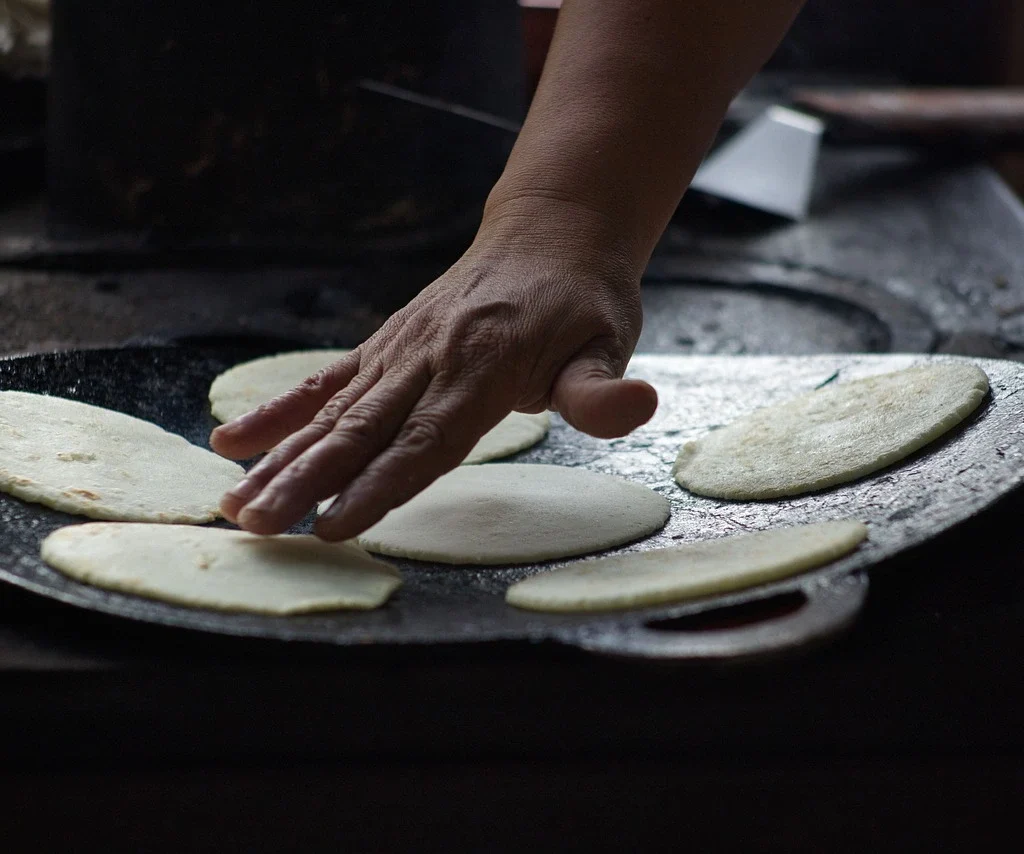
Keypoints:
(903, 506)
(902, 253)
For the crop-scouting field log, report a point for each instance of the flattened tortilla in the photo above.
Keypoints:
(831, 435)
(103, 464)
(221, 569)
(686, 571)
(509, 513)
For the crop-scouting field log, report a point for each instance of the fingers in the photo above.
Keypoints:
(293, 446)
(435, 438)
(533, 408)
(589, 394)
(270, 423)
(358, 435)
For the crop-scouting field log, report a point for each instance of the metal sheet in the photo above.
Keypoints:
(948, 482)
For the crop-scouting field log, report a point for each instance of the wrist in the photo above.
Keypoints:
(556, 228)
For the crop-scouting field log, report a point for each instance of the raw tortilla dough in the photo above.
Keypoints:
(686, 571)
(516, 513)
(517, 431)
(244, 387)
(221, 569)
(99, 463)
(831, 435)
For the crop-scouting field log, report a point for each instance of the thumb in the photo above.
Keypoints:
(589, 394)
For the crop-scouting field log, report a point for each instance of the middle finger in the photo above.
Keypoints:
(327, 466)
(290, 448)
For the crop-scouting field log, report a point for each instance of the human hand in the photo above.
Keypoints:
(514, 324)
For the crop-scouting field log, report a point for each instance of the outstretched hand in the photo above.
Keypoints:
(502, 330)
(544, 310)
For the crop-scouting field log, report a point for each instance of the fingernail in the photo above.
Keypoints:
(327, 523)
(245, 491)
(344, 519)
(228, 512)
(235, 423)
(336, 509)
(263, 503)
(254, 518)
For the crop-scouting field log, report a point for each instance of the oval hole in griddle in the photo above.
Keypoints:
(713, 318)
(734, 616)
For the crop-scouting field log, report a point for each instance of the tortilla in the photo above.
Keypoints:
(831, 435)
(244, 387)
(104, 464)
(509, 513)
(251, 384)
(221, 569)
(516, 432)
(686, 571)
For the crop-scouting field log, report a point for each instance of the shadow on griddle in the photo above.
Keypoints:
(734, 616)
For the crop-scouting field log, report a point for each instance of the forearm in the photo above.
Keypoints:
(632, 94)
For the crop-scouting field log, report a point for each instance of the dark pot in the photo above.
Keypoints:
(208, 123)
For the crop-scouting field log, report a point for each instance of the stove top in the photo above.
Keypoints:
(901, 254)
(916, 706)
(902, 251)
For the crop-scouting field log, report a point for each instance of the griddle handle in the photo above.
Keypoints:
(828, 608)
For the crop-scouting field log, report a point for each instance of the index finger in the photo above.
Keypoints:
(272, 422)
(435, 438)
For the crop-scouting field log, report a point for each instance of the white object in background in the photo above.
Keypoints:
(769, 165)
(25, 37)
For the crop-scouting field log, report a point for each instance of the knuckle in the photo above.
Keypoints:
(422, 326)
(301, 471)
(479, 340)
(489, 321)
(425, 433)
(273, 462)
(360, 431)
(328, 376)
(323, 422)
(288, 400)
(339, 406)
(295, 444)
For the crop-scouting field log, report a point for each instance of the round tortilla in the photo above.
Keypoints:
(516, 432)
(251, 384)
(246, 386)
(221, 569)
(687, 571)
(510, 513)
(831, 435)
(103, 464)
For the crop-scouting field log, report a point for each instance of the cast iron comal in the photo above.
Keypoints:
(949, 481)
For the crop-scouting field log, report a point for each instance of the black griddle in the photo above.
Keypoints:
(946, 483)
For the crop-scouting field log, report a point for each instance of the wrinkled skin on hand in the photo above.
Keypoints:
(500, 331)
(544, 309)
